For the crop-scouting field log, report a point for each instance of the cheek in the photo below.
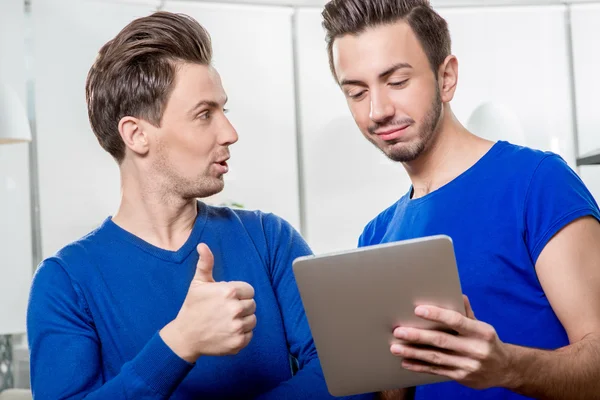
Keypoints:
(413, 102)
(361, 113)
(191, 147)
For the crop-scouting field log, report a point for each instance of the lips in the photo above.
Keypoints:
(222, 165)
(392, 133)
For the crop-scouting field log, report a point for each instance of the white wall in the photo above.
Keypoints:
(347, 180)
(586, 42)
(253, 53)
(511, 57)
(15, 223)
(525, 68)
(79, 181)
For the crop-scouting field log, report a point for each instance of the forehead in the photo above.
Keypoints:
(376, 49)
(194, 82)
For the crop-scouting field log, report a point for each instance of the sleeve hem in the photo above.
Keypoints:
(558, 225)
(160, 367)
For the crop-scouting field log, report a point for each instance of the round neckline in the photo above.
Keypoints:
(174, 256)
(496, 147)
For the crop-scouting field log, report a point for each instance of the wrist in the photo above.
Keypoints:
(515, 370)
(174, 337)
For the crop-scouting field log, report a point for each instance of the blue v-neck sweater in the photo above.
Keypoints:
(97, 306)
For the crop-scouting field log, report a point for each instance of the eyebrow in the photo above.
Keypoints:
(207, 103)
(382, 75)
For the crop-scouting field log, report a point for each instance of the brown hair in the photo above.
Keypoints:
(342, 17)
(133, 74)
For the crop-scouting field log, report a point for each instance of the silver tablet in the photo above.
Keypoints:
(355, 299)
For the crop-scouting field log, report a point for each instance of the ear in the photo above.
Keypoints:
(448, 78)
(133, 134)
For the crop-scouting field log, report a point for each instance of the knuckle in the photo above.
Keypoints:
(435, 358)
(461, 375)
(440, 341)
(489, 333)
(457, 320)
(474, 366)
(237, 309)
(238, 342)
(230, 292)
(237, 327)
(485, 352)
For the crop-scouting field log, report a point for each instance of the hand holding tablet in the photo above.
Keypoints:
(356, 300)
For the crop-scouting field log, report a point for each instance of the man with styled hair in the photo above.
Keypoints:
(170, 298)
(524, 226)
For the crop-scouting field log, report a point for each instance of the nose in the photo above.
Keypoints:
(227, 134)
(382, 108)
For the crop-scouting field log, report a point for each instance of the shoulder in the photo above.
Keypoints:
(523, 158)
(254, 222)
(75, 258)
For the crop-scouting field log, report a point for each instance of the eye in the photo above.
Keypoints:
(397, 84)
(356, 96)
(204, 115)
(225, 110)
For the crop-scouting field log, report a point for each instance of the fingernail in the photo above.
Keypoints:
(396, 348)
(401, 334)
(422, 311)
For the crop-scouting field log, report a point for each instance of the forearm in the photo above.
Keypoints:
(396, 394)
(572, 372)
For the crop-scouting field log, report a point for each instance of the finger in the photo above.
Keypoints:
(247, 338)
(416, 366)
(204, 267)
(452, 319)
(243, 290)
(433, 357)
(468, 310)
(248, 307)
(441, 340)
(248, 323)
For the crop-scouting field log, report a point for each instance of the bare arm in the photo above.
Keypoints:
(569, 271)
(397, 394)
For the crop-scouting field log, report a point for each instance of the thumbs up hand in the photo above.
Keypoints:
(216, 318)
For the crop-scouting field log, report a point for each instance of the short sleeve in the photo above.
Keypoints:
(556, 196)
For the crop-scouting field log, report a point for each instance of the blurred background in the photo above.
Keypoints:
(528, 74)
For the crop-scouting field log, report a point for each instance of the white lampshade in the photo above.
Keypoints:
(14, 125)
(497, 122)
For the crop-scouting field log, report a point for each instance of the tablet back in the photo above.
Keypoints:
(355, 299)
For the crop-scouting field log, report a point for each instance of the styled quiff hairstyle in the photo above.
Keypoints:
(352, 17)
(134, 73)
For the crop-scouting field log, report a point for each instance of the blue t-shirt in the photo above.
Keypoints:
(97, 306)
(500, 214)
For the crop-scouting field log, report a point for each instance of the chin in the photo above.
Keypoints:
(404, 152)
(206, 188)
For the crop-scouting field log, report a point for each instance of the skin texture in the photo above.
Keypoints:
(165, 169)
(401, 105)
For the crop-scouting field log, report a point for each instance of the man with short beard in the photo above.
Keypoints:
(525, 228)
(141, 308)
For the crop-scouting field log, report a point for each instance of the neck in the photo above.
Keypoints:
(161, 219)
(451, 152)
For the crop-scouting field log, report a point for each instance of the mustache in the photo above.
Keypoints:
(221, 155)
(398, 122)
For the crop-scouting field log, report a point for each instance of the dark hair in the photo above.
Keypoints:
(133, 74)
(342, 17)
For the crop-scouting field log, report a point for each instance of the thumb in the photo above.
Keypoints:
(204, 268)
